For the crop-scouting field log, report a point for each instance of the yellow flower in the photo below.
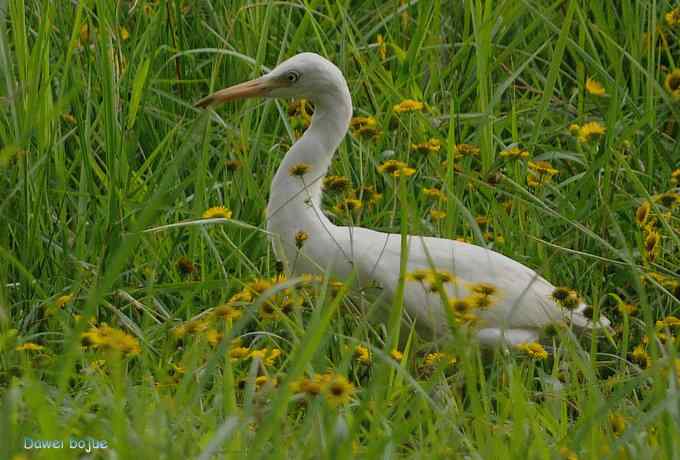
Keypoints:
(668, 322)
(335, 183)
(673, 17)
(217, 212)
(108, 338)
(84, 34)
(369, 194)
(362, 355)
(652, 244)
(433, 146)
(640, 357)
(465, 150)
(237, 353)
(515, 152)
(337, 390)
(408, 105)
(396, 355)
(364, 126)
(534, 350)
(69, 118)
(437, 214)
(382, 48)
(617, 423)
(565, 297)
(590, 131)
(542, 168)
(668, 199)
(567, 454)
(227, 312)
(214, 337)
(594, 87)
(29, 346)
(434, 193)
(124, 34)
(259, 285)
(419, 275)
(300, 237)
(392, 167)
(299, 169)
(63, 300)
(460, 307)
(348, 205)
(642, 213)
(627, 308)
(675, 177)
(574, 129)
(433, 359)
(486, 289)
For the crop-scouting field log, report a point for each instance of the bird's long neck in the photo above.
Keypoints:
(295, 201)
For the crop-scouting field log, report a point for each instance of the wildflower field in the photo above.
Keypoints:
(142, 310)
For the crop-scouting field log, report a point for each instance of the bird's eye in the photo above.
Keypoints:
(292, 76)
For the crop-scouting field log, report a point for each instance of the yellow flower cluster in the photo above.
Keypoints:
(534, 350)
(336, 388)
(588, 131)
(107, 338)
(408, 105)
(396, 168)
(431, 146)
(673, 17)
(515, 153)
(566, 297)
(672, 83)
(542, 172)
(217, 212)
(594, 87)
(364, 126)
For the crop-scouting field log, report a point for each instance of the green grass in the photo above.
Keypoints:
(102, 155)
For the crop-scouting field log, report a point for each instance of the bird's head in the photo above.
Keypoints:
(305, 75)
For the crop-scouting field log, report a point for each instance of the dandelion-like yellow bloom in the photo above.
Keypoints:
(675, 176)
(300, 237)
(435, 358)
(670, 322)
(369, 194)
(460, 307)
(394, 167)
(348, 206)
(408, 105)
(672, 83)
(542, 168)
(124, 34)
(486, 289)
(626, 308)
(434, 193)
(382, 47)
(590, 131)
(69, 118)
(640, 357)
(108, 338)
(432, 146)
(673, 17)
(642, 213)
(364, 126)
(337, 390)
(29, 346)
(227, 312)
(566, 298)
(617, 423)
(437, 214)
(217, 212)
(268, 311)
(515, 153)
(63, 300)
(213, 336)
(465, 150)
(668, 199)
(336, 183)
(299, 169)
(419, 275)
(259, 285)
(534, 350)
(238, 353)
(652, 244)
(594, 87)
(362, 354)
(396, 355)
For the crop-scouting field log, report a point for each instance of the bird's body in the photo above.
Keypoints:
(520, 304)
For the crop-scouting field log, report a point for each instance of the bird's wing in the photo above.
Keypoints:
(522, 299)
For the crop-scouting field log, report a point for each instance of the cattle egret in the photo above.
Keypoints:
(510, 303)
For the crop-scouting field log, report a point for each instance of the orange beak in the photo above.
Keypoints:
(252, 88)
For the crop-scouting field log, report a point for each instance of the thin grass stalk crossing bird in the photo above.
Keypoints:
(510, 303)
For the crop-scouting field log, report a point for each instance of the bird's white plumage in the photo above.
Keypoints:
(522, 305)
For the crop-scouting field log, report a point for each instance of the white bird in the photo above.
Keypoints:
(520, 302)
